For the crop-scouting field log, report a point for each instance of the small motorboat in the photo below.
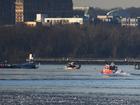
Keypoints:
(72, 66)
(29, 64)
(112, 70)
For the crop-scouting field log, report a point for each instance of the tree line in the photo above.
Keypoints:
(80, 41)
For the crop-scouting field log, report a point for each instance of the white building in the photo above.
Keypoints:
(133, 22)
(105, 18)
(52, 21)
(40, 17)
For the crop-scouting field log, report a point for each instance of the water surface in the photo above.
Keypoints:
(56, 79)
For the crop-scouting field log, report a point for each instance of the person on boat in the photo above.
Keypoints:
(71, 64)
(113, 67)
(109, 69)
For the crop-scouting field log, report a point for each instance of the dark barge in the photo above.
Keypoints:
(28, 65)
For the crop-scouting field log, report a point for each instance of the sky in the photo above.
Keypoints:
(107, 4)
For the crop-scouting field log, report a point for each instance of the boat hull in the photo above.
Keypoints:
(117, 73)
(72, 68)
(24, 66)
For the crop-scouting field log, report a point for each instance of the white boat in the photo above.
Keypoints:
(72, 66)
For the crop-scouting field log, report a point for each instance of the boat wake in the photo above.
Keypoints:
(120, 73)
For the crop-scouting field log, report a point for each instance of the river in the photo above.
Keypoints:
(52, 84)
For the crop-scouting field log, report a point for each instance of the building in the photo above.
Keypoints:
(115, 16)
(44, 20)
(7, 12)
(31, 23)
(53, 8)
(19, 11)
(130, 22)
(81, 8)
(105, 18)
(80, 11)
(40, 17)
(53, 21)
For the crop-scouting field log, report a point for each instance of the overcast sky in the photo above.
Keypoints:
(107, 4)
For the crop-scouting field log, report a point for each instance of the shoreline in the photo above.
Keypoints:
(87, 61)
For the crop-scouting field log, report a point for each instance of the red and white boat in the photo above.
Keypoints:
(107, 70)
(113, 70)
